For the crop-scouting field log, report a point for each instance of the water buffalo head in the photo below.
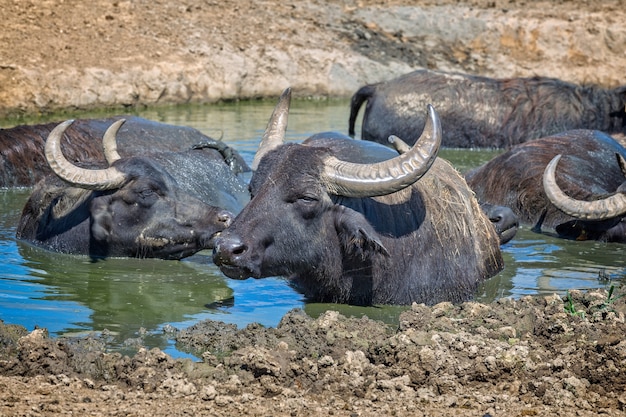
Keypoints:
(132, 208)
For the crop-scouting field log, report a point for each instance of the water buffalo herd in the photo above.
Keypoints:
(382, 220)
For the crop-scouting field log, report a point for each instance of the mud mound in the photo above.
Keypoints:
(533, 356)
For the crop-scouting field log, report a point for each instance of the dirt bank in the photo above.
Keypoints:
(107, 53)
(538, 356)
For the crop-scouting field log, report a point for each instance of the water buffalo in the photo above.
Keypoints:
(587, 171)
(503, 219)
(345, 229)
(165, 205)
(22, 161)
(480, 112)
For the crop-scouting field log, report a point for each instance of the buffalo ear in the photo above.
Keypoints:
(101, 220)
(356, 234)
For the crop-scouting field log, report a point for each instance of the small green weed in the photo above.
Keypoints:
(611, 298)
(570, 308)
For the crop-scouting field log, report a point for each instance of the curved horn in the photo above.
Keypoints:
(109, 142)
(607, 208)
(93, 179)
(368, 180)
(277, 126)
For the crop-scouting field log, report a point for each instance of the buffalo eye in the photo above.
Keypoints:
(145, 196)
(147, 193)
(307, 205)
(307, 199)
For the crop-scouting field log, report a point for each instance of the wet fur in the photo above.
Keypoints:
(22, 161)
(153, 214)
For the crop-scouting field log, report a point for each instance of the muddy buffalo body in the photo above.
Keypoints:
(22, 161)
(588, 170)
(162, 204)
(480, 112)
(348, 230)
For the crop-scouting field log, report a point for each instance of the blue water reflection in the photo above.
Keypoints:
(543, 264)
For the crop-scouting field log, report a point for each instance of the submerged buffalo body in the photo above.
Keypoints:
(165, 205)
(484, 112)
(348, 229)
(588, 170)
(22, 161)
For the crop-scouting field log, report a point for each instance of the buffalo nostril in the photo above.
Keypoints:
(239, 250)
(228, 249)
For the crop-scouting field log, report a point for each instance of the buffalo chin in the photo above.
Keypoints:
(184, 249)
(507, 235)
(210, 242)
(177, 253)
(189, 248)
(235, 272)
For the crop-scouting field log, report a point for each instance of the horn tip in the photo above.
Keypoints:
(286, 94)
(555, 160)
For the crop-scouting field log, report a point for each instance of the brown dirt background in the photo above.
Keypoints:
(543, 356)
(69, 54)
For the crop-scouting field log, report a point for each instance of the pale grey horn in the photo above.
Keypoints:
(93, 179)
(368, 180)
(274, 134)
(607, 208)
(109, 142)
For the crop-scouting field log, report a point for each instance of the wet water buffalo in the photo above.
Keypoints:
(22, 161)
(484, 112)
(587, 170)
(165, 204)
(348, 228)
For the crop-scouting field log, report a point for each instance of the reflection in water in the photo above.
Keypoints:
(133, 298)
(544, 264)
(123, 295)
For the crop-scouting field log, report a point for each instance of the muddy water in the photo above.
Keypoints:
(131, 302)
